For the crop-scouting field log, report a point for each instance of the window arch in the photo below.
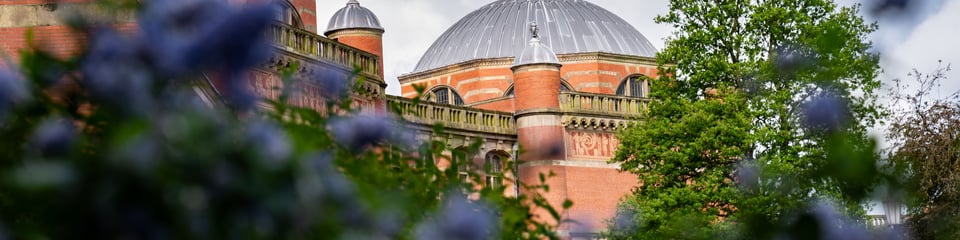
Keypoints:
(445, 95)
(461, 160)
(494, 162)
(287, 13)
(633, 86)
(564, 87)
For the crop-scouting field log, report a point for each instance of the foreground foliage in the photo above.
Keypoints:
(116, 144)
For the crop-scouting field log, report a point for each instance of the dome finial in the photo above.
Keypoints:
(353, 2)
(534, 31)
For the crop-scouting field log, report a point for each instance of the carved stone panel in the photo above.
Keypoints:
(591, 145)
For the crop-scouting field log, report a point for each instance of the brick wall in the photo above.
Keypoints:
(308, 13)
(482, 82)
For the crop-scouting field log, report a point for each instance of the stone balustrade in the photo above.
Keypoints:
(455, 117)
(312, 45)
(601, 104)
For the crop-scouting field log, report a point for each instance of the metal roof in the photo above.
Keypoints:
(499, 29)
(353, 16)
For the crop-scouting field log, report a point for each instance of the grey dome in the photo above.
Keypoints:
(535, 52)
(353, 16)
(499, 29)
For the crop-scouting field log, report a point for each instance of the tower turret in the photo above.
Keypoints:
(358, 27)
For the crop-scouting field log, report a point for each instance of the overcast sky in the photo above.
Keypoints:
(928, 32)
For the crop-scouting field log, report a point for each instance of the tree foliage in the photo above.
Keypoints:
(801, 75)
(925, 137)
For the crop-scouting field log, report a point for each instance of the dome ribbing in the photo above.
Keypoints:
(499, 29)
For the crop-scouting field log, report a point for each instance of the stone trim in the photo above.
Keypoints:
(594, 123)
(507, 61)
(536, 67)
(52, 14)
(570, 163)
(368, 32)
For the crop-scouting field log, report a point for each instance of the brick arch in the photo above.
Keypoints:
(297, 21)
(634, 82)
(454, 97)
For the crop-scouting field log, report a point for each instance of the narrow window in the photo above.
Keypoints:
(447, 95)
(494, 164)
(632, 86)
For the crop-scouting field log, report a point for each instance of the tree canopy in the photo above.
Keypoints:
(759, 93)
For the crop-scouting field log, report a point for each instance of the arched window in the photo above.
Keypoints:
(494, 166)
(461, 160)
(632, 86)
(445, 95)
(287, 13)
(564, 87)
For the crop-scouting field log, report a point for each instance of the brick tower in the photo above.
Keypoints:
(536, 72)
(358, 27)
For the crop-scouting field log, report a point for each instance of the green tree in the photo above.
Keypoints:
(769, 61)
(925, 134)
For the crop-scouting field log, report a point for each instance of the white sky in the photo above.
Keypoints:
(928, 34)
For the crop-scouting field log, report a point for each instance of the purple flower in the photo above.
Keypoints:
(189, 35)
(459, 219)
(270, 144)
(826, 113)
(748, 176)
(13, 90)
(791, 58)
(359, 132)
(115, 73)
(54, 137)
(333, 84)
(823, 222)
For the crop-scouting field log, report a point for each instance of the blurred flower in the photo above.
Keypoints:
(826, 113)
(13, 90)
(38, 175)
(823, 222)
(626, 221)
(333, 84)
(54, 137)
(238, 93)
(115, 73)
(747, 176)
(459, 219)
(324, 180)
(790, 58)
(270, 144)
(189, 34)
(880, 7)
(170, 28)
(364, 130)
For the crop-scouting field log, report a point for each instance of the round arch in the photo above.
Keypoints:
(494, 164)
(288, 14)
(633, 86)
(443, 94)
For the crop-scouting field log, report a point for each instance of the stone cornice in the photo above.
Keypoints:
(601, 124)
(53, 14)
(492, 100)
(507, 61)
